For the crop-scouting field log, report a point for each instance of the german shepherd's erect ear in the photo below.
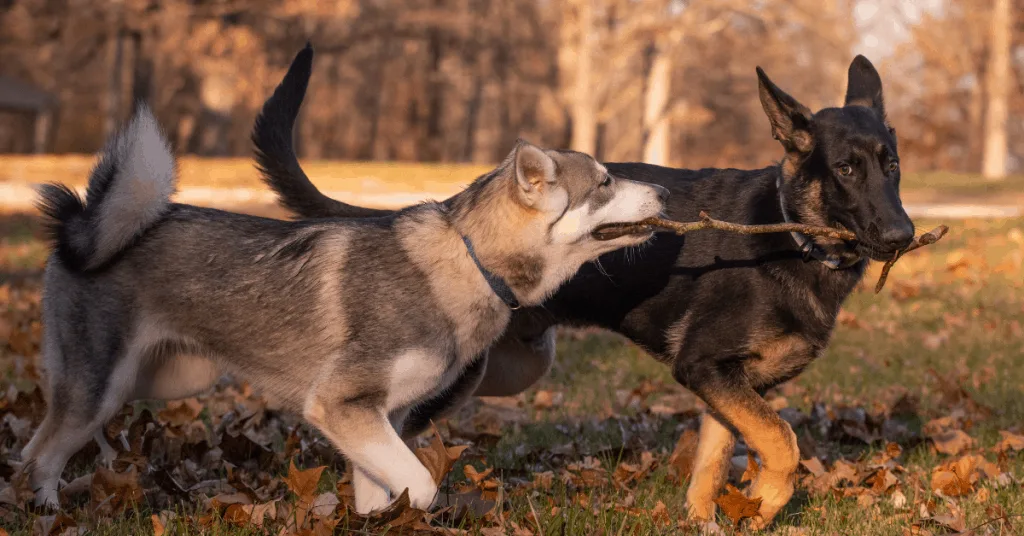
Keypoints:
(864, 87)
(790, 120)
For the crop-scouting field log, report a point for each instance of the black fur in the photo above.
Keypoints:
(736, 314)
(275, 153)
(69, 221)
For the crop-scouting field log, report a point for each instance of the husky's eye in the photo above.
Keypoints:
(844, 170)
(607, 181)
(894, 166)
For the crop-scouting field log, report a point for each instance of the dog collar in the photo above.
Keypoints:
(806, 245)
(497, 284)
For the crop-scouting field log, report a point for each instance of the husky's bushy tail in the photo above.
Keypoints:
(129, 190)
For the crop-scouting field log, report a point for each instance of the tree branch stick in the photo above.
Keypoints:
(615, 230)
(930, 237)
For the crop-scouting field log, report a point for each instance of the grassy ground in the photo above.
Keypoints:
(587, 450)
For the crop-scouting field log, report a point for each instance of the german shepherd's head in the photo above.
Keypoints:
(841, 166)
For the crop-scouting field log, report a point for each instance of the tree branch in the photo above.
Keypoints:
(930, 237)
(616, 230)
(612, 231)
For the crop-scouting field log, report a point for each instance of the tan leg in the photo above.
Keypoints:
(710, 467)
(769, 436)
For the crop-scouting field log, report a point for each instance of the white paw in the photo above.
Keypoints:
(422, 492)
(47, 498)
(371, 500)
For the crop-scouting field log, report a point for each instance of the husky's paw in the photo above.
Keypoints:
(47, 499)
(422, 492)
(371, 500)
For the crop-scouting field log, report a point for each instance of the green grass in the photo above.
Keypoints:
(962, 323)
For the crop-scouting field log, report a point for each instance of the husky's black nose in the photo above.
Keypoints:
(898, 236)
(662, 193)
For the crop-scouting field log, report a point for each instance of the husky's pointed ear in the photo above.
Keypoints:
(864, 87)
(790, 120)
(534, 170)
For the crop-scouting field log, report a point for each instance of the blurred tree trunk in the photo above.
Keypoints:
(115, 58)
(584, 109)
(656, 123)
(998, 111)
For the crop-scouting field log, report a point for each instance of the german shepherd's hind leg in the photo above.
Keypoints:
(738, 404)
(710, 467)
(360, 429)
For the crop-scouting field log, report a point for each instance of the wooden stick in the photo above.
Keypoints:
(616, 230)
(930, 237)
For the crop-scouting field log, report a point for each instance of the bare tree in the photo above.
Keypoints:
(994, 161)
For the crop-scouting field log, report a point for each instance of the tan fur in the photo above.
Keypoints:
(710, 467)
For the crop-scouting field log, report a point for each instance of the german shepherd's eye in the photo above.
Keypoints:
(844, 170)
(607, 181)
(894, 166)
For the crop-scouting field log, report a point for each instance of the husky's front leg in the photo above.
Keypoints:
(362, 432)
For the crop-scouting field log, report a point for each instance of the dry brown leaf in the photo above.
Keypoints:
(303, 483)
(952, 442)
(660, 513)
(543, 480)
(158, 526)
(439, 459)
(476, 476)
(750, 473)
(543, 399)
(1010, 442)
(737, 506)
(881, 481)
(681, 460)
(111, 492)
(180, 412)
(949, 484)
(814, 466)
(324, 504)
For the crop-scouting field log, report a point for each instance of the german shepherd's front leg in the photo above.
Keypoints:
(731, 397)
(710, 467)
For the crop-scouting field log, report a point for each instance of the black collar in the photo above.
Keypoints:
(807, 246)
(498, 285)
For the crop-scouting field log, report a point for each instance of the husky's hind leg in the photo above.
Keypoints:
(73, 417)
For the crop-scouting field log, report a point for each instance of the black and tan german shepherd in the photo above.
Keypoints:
(732, 314)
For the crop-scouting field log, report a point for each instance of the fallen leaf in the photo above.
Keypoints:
(180, 412)
(543, 399)
(952, 442)
(439, 459)
(1010, 442)
(476, 476)
(949, 484)
(111, 492)
(324, 504)
(303, 483)
(158, 526)
(737, 506)
(814, 466)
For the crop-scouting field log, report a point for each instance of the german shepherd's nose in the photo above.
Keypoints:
(898, 236)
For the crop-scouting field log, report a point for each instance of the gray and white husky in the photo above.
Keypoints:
(348, 322)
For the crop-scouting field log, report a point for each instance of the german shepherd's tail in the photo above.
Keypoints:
(275, 154)
(129, 190)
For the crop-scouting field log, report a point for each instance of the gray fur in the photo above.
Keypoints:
(347, 322)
